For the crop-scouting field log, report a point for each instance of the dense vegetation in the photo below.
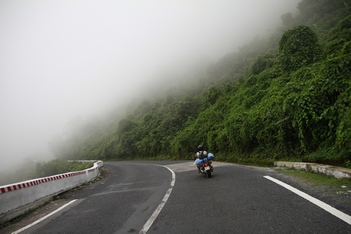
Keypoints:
(283, 97)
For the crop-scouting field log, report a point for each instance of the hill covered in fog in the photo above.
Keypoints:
(286, 96)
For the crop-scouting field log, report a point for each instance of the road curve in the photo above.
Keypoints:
(240, 199)
(237, 199)
(122, 203)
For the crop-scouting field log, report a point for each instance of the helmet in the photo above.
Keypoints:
(200, 148)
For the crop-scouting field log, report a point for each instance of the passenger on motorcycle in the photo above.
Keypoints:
(199, 155)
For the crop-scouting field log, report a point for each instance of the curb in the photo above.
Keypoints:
(338, 172)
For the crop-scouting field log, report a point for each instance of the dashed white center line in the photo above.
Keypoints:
(345, 217)
(154, 215)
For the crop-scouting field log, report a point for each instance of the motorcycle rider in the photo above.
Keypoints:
(198, 157)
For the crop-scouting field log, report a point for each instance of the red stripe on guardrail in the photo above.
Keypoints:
(13, 187)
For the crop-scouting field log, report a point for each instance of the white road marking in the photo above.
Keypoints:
(154, 215)
(189, 166)
(345, 217)
(43, 218)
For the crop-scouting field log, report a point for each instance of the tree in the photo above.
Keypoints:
(297, 48)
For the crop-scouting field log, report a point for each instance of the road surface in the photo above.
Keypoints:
(170, 197)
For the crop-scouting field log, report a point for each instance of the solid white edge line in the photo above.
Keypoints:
(345, 217)
(154, 215)
(43, 218)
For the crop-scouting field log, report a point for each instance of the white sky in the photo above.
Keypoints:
(60, 59)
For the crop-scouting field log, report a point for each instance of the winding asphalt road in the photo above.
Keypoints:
(145, 196)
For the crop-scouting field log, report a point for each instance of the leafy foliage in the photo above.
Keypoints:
(298, 47)
(262, 63)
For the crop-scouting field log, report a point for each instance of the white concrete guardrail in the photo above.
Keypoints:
(338, 172)
(16, 199)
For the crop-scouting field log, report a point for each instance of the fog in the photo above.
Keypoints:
(60, 59)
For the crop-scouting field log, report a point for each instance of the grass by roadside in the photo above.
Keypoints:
(314, 179)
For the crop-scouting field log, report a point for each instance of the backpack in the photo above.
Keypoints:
(201, 154)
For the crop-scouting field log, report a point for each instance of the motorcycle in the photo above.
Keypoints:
(206, 168)
(205, 164)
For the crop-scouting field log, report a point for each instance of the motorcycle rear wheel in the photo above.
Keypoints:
(208, 174)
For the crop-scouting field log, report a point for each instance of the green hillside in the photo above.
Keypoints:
(282, 97)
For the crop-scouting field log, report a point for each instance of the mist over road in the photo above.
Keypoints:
(237, 199)
(68, 61)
